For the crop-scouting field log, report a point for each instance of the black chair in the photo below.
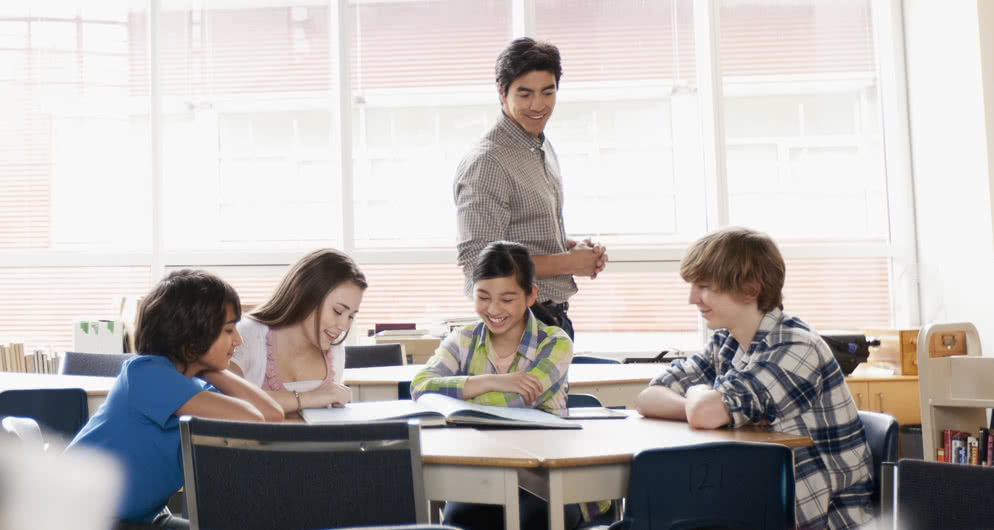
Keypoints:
(881, 435)
(374, 355)
(931, 495)
(102, 364)
(58, 411)
(293, 476)
(729, 485)
(593, 359)
(582, 400)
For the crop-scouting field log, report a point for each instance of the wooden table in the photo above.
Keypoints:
(96, 387)
(616, 385)
(561, 466)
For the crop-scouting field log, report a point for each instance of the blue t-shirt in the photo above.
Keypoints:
(138, 426)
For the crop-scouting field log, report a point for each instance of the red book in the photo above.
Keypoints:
(947, 436)
(990, 449)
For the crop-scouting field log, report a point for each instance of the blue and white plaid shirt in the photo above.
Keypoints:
(789, 379)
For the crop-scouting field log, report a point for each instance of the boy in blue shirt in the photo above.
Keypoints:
(185, 331)
(766, 367)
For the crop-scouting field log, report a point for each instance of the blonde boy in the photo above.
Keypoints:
(766, 367)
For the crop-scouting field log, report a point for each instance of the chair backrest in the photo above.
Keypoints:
(730, 485)
(881, 435)
(264, 475)
(404, 527)
(104, 364)
(582, 400)
(939, 495)
(593, 359)
(394, 326)
(59, 411)
(374, 355)
(24, 429)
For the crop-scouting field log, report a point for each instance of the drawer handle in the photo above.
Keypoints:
(859, 401)
(880, 396)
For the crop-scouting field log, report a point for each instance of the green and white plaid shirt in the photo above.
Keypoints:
(544, 352)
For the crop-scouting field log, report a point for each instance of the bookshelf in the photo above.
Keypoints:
(955, 390)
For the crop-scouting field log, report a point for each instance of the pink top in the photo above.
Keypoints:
(255, 357)
(272, 379)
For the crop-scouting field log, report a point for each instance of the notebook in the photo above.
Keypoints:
(436, 409)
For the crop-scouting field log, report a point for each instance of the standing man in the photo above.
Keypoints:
(508, 187)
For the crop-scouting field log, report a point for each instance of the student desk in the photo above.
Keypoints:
(561, 466)
(616, 385)
(96, 387)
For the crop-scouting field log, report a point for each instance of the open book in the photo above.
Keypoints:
(436, 409)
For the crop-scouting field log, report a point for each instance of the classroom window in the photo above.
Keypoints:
(423, 93)
(260, 163)
(247, 136)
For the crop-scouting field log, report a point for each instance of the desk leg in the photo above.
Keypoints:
(435, 511)
(556, 521)
(512, 512)
(486, 485)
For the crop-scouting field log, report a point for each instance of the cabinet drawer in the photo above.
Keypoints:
(861, 395)
(897, 398)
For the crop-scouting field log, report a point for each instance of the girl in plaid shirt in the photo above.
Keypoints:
(509, 359)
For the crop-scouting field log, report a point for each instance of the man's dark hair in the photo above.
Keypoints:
(501, 259)
(526, 55)
(183, 315)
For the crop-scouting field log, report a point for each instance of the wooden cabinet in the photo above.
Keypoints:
(897, 396)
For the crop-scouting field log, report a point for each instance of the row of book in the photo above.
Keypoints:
(14, 359)
(960, 447)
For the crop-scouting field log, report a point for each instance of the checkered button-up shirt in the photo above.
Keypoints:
(508, 187)
(789, 378)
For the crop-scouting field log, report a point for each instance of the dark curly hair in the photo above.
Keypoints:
(182, 316)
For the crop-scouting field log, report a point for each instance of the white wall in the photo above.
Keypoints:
(950, 140)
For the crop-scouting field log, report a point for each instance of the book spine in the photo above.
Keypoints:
(940, 455)
(982, 446)
(972, 452)
(990, 450)
(957, 449)
(947, 436)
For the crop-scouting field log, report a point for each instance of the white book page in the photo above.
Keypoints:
(368, 411)
(452, 407)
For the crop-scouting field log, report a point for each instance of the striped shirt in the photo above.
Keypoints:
(544, 352)
(789, 378)
(508, 187)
